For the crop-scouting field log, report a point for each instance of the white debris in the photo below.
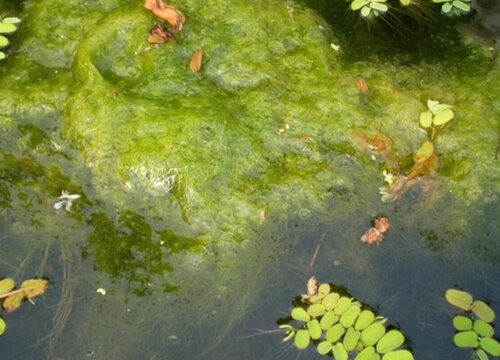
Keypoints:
(66, 200)
(101, 291)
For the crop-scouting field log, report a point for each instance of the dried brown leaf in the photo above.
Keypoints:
(165, 12)
(196, 61)
(34, 287)
(13, 302)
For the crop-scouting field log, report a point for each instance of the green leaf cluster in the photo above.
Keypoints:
(454, 7)
(8, 26)
(339, 325)
(475, 328)
(369, 7)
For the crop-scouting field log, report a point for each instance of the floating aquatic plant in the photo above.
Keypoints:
(11, 298)
(474, 328)
(454, 7)
(339, 325)
(369, 7)
(8, 26)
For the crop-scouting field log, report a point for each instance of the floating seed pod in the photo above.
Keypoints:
(490, 345)
(316, 310)
(323, 290)
(398, 355)
(300, 314)
(459, 298)
(483, 311)
(6, 284)
(466, 339)
(330, 300)
(365, 318)
(462, 323)
(372, 334)
(339, 352)
(483, 328)
(328, 320)
(351, 338)
(334, 333)
(390, 341)
(342, 305)
(350, 315)
(302, 339)
(324, 347)
(314, 329)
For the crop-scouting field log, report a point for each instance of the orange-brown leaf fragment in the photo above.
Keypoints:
(362, 86)
(34, 287)
(158, 35)
(13, 302)
(165, 12)
(382, 224)
(196, 60)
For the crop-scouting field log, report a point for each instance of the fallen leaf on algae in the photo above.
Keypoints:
(158, 35)
(175, 18)
(34, 287)
(13, 302)
(196, 61)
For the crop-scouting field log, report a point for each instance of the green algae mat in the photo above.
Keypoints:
(175, 212)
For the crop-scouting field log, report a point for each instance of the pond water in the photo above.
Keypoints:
(205, 195)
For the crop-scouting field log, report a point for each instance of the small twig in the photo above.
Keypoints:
(316, 251)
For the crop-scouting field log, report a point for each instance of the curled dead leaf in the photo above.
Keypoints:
(34, 287)
(382, 224)
(372, 236)
(196, 61)
(158, 35)
(312, 288)
(165, 12)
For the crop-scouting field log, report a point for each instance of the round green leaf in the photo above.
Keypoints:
(324, 347)
(398, 355)
(424, 152)
(364, 320)
(6, 284)
(366, 354)
(2, 326)
(481, 355)
(339, 352)
(372, 334)
(334, 333)
(349, 316)
(425, 119)
(462, 323)
(390, 341)
(6, 28)
(316, 310)
(446, 8)
(358, 4)
(323, 290)
(350, 339)
(459, 298)
(443, 117)
(483, 328)
(365, 11)
(342, 305)
(328, 320)
(4, 42)
(302, 339)
(483, 311)
(490, 345)
(330, 300)
(405, 2)
(2, 55)
(314, 329)
(300, 314)
(11, 20)
(461, 6)
(466, 339)
(378, 6)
